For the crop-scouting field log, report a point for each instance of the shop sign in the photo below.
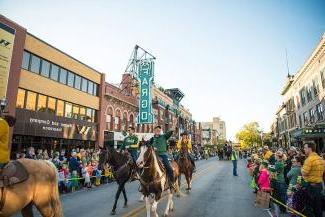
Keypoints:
(7, 37)
(145, 76)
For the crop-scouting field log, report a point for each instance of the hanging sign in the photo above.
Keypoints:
(7, 36)
(145, 76)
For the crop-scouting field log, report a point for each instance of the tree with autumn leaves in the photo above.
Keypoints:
(250, 135)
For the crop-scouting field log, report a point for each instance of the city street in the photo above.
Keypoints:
(215, 192)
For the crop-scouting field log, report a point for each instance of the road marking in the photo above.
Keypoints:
(139, 209)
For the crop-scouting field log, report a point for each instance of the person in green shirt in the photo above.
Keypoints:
(234, 159)
(131, 144)
(159, 142)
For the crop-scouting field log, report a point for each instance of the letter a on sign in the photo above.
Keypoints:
(145, 76)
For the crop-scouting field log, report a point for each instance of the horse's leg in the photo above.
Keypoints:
(148, 204)
(179, 185)
(154, 207)
(120, 188)
(27, 211)
(45, 208)
(169, 202)
(187, 176)
(125, 198)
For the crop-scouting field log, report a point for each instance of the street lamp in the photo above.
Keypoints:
(3, 104)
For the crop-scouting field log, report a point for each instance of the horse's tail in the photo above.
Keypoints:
(55, 197)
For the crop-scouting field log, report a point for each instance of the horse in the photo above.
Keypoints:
(154, 180)
(40, 189)
(122, 166)
(185, 166)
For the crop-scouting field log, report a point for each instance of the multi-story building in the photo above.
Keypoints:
(301, 116)
(55, 97)
(213, 131)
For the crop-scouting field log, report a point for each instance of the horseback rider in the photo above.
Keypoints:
(159, 142)
(131, 145)
(6, 121)
(186, 141)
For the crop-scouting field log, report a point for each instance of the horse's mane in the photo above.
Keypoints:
(117, 159)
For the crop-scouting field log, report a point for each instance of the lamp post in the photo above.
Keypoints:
(3, 104)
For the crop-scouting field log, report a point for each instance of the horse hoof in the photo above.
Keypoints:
(113, 212)
(178, 195)
(165, 215)
(125, 206)
(172, 209)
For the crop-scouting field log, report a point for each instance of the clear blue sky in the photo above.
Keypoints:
(228, 57)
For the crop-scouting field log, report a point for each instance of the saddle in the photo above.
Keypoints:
(13, 173)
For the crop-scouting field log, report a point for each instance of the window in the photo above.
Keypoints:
(63, 76)
(68, 110)
(84, 86)
(31, 101)
(45, 69)
(315, 87)
(20, 98)
(305, 115)
(319, 112)
(82, 113)
(77, 82)
(302, 96)
(89, 114)
(41, 103)
(51, 104)
(300, 121)
(95, 89)
(54, 72)
(312, 115)
(70, 79)
(60, 108)
(94, 115)
(25, 63)
(75, 111)
(90, 87)
(309, 94)
(322, 76)
(35, 64)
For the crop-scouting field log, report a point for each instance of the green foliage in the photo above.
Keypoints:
(249, 135)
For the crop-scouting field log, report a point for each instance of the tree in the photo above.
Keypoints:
(249, 135)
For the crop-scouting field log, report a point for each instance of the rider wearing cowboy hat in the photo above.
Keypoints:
(185, 140)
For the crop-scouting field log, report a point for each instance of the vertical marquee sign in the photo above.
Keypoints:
(145, 76)
(7, 36)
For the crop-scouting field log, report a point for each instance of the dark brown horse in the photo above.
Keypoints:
(122, 168)
(185, 166)
(154, 180)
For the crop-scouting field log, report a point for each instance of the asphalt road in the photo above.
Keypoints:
(215, 192)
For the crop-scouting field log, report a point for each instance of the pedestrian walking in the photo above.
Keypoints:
(234, 159)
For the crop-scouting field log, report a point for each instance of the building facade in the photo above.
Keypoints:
(213, 132)
(55, 98)
(301, 116)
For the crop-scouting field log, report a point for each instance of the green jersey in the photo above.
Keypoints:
(130, 142)
(160, 142)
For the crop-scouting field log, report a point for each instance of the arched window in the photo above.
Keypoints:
(117, 120)
(109, 118)
(131, 120)
(125, 121)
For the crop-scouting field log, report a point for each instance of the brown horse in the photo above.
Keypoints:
(40, 189)
(122, 171)
(185, 166)
(154, 180)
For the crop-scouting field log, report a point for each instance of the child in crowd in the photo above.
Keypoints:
(86, 176)
(264, 177)
(74, 181)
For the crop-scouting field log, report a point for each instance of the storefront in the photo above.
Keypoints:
(47, 131)
(317, 134)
